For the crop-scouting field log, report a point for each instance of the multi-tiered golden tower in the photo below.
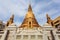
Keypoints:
(30, 21)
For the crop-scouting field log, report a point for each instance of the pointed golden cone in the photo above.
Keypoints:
(29, 20)
(10, 21)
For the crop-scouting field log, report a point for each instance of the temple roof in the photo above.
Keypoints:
(58, 18)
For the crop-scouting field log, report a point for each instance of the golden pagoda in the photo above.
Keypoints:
(29, 20)
(49, 20)
(10, 21)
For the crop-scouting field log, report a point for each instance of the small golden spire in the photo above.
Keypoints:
(10, 21)
(49, 20)
(12, 18)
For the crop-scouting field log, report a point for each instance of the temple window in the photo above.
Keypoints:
(32, 36)
(39, 36)
(18, 37)
(25, 36)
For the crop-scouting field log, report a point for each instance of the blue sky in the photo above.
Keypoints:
(19, 9)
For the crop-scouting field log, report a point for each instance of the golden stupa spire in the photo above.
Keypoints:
(30, 8)
(49, 20)
(10, 21)
(29, 20)
(29, 12)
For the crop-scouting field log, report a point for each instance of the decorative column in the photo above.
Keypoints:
(29, 37)
(14, 35)
(36, 37)
(55, 35)
(21, 37)
(45, 35)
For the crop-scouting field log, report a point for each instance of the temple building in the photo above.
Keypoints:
(30, 28)
(57, 22)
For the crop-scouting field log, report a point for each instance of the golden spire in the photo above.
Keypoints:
(29, 20)
(10, 21)
(30, 8)
(49, 20)
(30, 13)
